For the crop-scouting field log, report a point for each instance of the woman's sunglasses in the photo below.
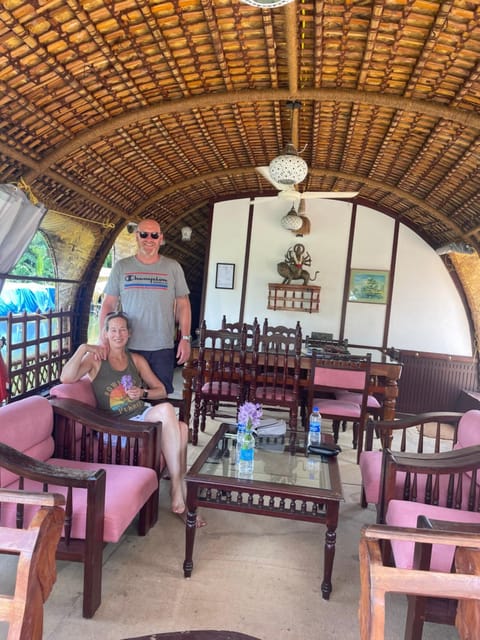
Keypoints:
(144, 234)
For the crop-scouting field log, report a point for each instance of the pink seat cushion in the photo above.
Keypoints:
(405, 514)
(332, 407)
(221, 388)
(351, 396)
(274, 394)
(137, 482)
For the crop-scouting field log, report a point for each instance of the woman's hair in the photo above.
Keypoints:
(116, 314)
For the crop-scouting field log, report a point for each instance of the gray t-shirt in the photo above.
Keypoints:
(147, 293)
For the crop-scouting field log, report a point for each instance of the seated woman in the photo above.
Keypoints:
(122, 381)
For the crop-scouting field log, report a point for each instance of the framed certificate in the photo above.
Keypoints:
(225, 275)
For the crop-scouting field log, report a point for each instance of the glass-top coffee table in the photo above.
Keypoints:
(283, 484)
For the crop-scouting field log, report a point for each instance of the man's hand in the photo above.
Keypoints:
(183, 351)
(100, 350)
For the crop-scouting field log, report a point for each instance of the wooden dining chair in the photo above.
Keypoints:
(279, 329)
(275, 373)
(220, 373)
(237, 327)
(328, 376)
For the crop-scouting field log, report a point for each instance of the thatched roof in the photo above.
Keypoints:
(116, 110)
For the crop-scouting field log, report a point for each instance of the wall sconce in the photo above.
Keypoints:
(186, 234)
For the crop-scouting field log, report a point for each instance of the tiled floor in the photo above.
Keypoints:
(252, 574)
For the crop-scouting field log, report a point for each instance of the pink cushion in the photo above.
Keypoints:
(405, 514)
(221, 388)
(332, 407)
(81, 391)
(342, 378)
(468, 432)
(351, 396)
(26, 425)
(138, 483)
(272, 394)
(371, 471)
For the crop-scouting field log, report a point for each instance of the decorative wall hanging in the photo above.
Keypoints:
(368, 285)
(292, 268)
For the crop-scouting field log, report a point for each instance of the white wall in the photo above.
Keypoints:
(427, 313)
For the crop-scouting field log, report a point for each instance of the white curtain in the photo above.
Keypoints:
(19, 220)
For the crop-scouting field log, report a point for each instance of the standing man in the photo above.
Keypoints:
(153, 293)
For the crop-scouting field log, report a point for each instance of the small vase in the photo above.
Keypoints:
(246, 452)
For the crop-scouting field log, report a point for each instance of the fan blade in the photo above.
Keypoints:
(328, 194)
(265, 173)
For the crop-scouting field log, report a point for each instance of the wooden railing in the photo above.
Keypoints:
(434, 382)
(37, 347)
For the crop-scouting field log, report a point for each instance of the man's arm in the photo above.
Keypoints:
(183, 316)
(109, 305)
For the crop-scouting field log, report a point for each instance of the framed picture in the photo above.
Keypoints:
(225, 275)
(368, 285)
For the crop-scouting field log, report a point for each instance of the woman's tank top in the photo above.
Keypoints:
(110, 387)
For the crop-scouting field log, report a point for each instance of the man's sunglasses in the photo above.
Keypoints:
(144, 234)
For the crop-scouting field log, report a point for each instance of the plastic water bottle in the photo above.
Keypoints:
(240, 438)
(246, 454)
(315, 427)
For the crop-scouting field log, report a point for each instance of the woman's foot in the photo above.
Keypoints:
(200, 522)
(178, 501)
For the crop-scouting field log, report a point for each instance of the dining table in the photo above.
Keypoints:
(385, 372)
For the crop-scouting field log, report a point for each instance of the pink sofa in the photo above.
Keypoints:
(107, 472)
(82, 391)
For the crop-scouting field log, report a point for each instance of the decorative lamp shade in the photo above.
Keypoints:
(292, 221)
(186, 233)
(289, 168)
(267, 4)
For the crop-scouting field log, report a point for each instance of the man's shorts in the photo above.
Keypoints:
(162, 363)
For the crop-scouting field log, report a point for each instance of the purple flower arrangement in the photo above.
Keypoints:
(249, 414)
(127, 382)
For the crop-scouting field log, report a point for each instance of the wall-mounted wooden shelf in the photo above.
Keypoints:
(293, 297)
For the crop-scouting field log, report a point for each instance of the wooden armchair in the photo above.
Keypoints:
(36, 570)
(378, 579)
(107, 472)
(420, 433)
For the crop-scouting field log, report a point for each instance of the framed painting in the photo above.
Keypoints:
(368, 285)
(225, 275)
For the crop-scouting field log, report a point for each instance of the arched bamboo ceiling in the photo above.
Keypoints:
(112, 110)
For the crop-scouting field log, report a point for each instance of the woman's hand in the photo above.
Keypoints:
(135, 393)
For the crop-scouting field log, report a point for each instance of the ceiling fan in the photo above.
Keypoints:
(290, 192)
(288, 169)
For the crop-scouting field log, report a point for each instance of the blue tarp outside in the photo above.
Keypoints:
(32, 298)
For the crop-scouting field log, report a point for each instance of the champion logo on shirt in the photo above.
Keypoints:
(143, 280)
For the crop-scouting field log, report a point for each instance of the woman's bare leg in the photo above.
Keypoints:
(174, 449)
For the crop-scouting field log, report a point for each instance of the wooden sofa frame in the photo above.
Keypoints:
(378, 579)
(386, 430)
(36, 570)
(86, 434)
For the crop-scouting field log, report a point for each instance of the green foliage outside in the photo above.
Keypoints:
(36, 260)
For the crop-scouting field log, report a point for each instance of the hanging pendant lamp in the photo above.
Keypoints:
(289, 168)
(267, 4)
(292, 221)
